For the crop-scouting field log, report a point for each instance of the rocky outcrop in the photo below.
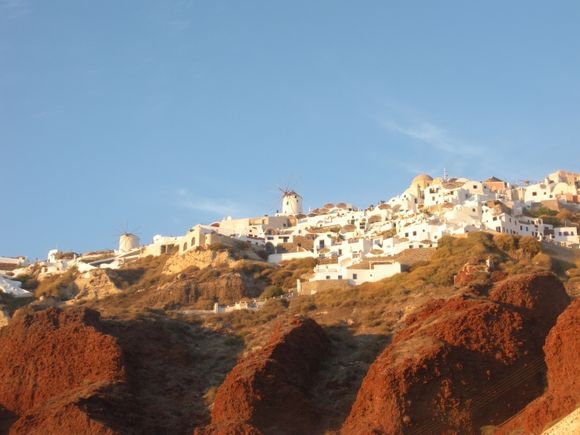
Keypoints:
(563, 393)
(52, 363)
(470, 273)
(462, 363)
(93, 285)
(201, 259)
(72, 372)
(266, 392)
(541, 297)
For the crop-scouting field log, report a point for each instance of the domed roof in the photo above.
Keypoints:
(420, 182)
(422, 178)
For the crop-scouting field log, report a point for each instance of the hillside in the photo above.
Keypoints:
(156, 320)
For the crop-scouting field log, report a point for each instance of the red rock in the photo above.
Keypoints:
(266, 391)
(541, 296)
(562, 350)
(460, 364)
(49, 362)
(470, 273)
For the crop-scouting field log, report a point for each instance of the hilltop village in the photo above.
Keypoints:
(357, 245)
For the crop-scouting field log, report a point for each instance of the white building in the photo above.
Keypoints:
(356, 274)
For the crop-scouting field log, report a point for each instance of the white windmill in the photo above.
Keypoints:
(291, 202)
(128, 241)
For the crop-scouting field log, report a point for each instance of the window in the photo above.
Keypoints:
(354, 276)
(193, 242)
(327, 276)
(184, 246)
(339, 276)
(414, 233)
(534, 193)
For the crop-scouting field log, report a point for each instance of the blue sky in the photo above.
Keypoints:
(159, 115)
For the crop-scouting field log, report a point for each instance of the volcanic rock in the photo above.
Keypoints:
(462, 363)
(563, 393)
(51, 363)
(539, 296)
(266, 392)
(470, 273)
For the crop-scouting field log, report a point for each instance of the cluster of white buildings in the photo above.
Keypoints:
(357, 245)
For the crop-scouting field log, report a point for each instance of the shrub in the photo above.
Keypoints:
(542, 260)
(506, 242)
(60, 286)
(273, 291)
(29, 282)
(529, 246)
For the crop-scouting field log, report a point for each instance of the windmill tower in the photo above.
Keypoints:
(291, 202)
(128, 240)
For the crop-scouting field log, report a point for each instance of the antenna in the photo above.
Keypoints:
(445, 175)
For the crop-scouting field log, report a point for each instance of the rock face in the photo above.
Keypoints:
(266, 391)
(94, 284)
(470, 273)
(200, 259)
(462, 363)
(53, 365)
(540, 296)
(563, 393)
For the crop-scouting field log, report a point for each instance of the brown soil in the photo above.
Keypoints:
(563, 393)
(462, 363)
(267, 390)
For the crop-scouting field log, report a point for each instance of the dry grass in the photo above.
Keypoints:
(143, 273)
(58, 286)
